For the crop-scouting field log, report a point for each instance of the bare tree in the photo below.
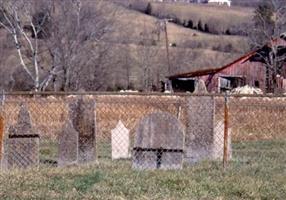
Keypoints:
(76, 42)
(16, 16)
(126, 65)
(146, 52)
(269, 28)
(68, 33)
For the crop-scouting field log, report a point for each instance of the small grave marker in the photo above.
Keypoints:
(120, 142)
(218, 144)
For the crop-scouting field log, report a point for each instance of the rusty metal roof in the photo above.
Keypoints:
(212, 70)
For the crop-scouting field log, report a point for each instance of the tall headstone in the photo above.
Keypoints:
(120, 142)
(204, 138)
(159, 142)
(84, 124)
(68, 146)
(200, 129)
(82, 119)
(22, 144)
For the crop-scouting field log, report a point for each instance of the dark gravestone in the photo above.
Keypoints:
(22, 143)
(203, 140)
(159, 142)
(82, 127)
(68, 146)
(83, 120)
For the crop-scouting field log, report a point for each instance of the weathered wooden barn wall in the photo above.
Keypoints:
(252, 71)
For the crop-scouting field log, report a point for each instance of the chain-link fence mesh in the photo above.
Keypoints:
(141, 131)
(258, 130)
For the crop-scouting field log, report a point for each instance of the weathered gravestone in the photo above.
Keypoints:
(22, 144)
(78, 134)
(203, 140)
(68, 146)
(120, 142)
(159, 142)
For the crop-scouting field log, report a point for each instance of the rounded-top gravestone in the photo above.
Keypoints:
(159, 142)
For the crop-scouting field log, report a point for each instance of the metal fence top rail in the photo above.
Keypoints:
(33, 93)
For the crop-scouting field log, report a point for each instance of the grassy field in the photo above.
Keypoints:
(219, 19)
(257, 169)
(246, 177)
(132, 31)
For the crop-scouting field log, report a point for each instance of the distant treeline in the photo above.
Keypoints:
(214, 20)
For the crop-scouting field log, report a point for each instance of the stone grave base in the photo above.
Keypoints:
(22, 151)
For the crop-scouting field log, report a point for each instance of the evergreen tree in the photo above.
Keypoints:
(148, 10)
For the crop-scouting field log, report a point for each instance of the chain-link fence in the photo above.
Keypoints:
(141, 131)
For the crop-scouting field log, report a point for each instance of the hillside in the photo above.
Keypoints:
(132, 31)
(209, 18)
(135, 42)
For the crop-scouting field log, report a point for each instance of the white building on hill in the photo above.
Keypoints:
(220, 2)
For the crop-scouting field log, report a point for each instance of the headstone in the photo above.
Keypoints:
(22, 143)
(218, 144)
(68, 146)
(200, 87)
(22, 151)
(120, 142)
(203, 140)
(159, 142)
(82, 118)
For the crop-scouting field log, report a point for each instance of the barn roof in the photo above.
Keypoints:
(212, 70)
(253, 55)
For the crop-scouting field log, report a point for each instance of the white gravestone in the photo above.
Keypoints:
(218, 145)
(120, 142)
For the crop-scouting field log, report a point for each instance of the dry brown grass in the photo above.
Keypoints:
(218, 18)
(250, 118)
(130, 25)
(47, 116)
(111, 109)
(258, 118)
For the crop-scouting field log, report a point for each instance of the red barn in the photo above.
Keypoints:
(247, 70)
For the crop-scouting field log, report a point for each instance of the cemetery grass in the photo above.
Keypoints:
(251, 175)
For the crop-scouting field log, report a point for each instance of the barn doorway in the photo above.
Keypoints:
(227, 83)
(183, 85)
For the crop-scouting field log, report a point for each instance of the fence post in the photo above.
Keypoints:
(225, 138)
(2, 99)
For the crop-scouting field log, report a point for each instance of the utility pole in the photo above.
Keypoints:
(165, 22)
